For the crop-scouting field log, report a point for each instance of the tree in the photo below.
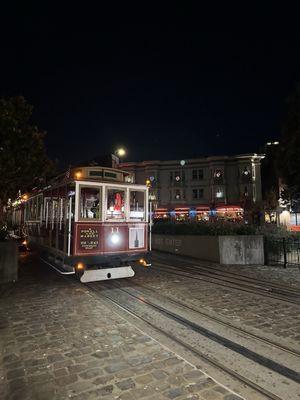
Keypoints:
(23, 160)
(289, 160)
(270, 178)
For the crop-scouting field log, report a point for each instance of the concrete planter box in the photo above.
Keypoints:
(237, 249)
(8, 262)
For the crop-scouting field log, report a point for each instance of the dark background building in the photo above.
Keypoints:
(225, 184)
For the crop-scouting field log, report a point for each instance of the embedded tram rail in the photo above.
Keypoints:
(209, 266)
(272, 343)
(208, 345)
(222, 279)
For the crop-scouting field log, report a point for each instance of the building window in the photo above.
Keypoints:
(218, 176)
(198, 193)
(177, 176)
(219, 193)
(177, 195)
(197, 174)
(246, 175)
(246, 172)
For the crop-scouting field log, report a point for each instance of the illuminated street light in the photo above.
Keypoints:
(120, 152)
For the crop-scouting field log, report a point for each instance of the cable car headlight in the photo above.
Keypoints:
(80, 266)
(144, 263)
(115, 238)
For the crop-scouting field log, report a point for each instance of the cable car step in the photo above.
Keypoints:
(106, 273)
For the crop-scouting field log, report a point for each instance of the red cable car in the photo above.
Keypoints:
(91, 221)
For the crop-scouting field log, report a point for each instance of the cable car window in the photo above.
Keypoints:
(89, 203)
(27, 210)
(46, 208)
(55, 209)
(115, 208)
(33, 209)
(39, 207)
(137, 205)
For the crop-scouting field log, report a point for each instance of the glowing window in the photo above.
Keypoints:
(89, 203)
(115, 206)
(219, 194)
(137, 205)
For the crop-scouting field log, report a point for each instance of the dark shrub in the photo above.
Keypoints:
(3, 232)
(202, 228)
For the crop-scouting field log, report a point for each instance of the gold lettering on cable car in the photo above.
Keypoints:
(89, 238)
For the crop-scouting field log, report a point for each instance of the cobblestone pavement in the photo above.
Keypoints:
(272, 317)
(58, 342)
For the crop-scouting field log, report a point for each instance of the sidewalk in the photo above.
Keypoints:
(58, 342)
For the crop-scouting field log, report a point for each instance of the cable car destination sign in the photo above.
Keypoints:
(88, 238)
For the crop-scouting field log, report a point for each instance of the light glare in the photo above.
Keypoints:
(115, 238)
(121, 152)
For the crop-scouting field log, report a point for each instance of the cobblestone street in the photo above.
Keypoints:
(59, 341)
(254, 311)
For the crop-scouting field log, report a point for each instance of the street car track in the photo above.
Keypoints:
(212, 361)
(219, 339)
(222, 280)
(217, 271)
(219, 321)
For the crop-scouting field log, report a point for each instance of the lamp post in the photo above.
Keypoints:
(120, 153)
(151, 199)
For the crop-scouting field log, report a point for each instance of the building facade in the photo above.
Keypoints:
(223, 185)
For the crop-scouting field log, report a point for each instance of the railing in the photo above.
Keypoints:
(282, 251)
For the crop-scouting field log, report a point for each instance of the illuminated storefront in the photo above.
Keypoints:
(202, 189)
(201, 213)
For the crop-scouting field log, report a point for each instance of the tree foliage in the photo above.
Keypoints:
(23, 159)
(289, 160)
(270, 178)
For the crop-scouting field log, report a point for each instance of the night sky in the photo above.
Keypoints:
(163, 82)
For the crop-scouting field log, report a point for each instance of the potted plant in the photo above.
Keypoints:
(8, 257)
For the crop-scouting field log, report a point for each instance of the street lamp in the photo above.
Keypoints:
(152, 198)
(120, 152)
